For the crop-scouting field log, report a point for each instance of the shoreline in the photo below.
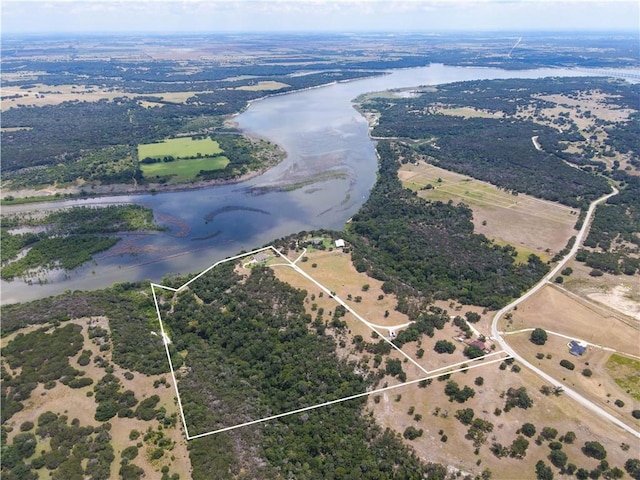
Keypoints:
(50, 193)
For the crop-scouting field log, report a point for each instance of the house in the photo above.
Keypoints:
(315, 241)
(577, 348)
(261, 257)
(479, 344)
(340, 243)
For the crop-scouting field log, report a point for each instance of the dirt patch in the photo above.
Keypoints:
(566, 313)
(537, 226)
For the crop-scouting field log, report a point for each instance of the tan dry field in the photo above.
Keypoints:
(75, 404)
(266, 85)
(565, 313)
(334, 270)
(527, 223)
(41, 95)
(619, 292)
(599, 388)
(557, 412)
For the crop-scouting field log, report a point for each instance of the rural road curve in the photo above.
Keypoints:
(496, 335)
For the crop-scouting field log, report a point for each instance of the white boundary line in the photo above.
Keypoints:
(463, 366)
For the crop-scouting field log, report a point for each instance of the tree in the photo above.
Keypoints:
(473, 351)
(444, 346)
(528, 429)
(632, 466)
(538, 336)
(594, 450)
(543, 471)
(519, 447)
(472, 317)
(558, 458)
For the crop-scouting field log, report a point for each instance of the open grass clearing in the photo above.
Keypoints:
(264, 86)
(520, 220)
(181, 147)
(184, 170)
(562, 312)
(626, 373)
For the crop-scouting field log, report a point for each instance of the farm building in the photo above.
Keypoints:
(261, 257)
(340, 243)
(577, 348)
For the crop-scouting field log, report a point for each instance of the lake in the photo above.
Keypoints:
(327, 175)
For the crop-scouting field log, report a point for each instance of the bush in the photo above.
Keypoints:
(587, 372)
(567, 364)
(636, 414)
(619, 403)
(479, 381)
(559, 279)
(538, 336)
(594, 450)
(411, 433)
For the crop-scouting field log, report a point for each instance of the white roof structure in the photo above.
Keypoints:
(340, 243)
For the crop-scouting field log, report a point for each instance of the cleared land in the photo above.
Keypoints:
(182, 147)
(266, 85)
(184, 170)
(529, 224)
(626, 373)
(553, 309)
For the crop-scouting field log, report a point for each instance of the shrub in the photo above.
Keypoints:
(619, 403)
(636, 414)
(567, 364)
(587, 372)
(479, 381)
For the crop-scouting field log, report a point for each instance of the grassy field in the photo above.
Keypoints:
(182, 147)
(184, 170)
(626, 373)
(530, 224)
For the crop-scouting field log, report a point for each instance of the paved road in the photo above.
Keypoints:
(552, 381)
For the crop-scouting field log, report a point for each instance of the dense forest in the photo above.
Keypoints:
(250, 350)
(252, 353)
(613, 243)
(402, 239)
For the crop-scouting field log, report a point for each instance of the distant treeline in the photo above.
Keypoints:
(500, 150)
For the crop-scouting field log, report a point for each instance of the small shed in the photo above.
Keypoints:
(340, 243)
(577, 348)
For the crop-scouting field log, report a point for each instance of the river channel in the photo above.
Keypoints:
(327, 175)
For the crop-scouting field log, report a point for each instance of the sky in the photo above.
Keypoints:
(37, 16)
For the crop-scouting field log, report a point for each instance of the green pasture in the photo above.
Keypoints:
(184, 170)
(626, 373)
(183, 147)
